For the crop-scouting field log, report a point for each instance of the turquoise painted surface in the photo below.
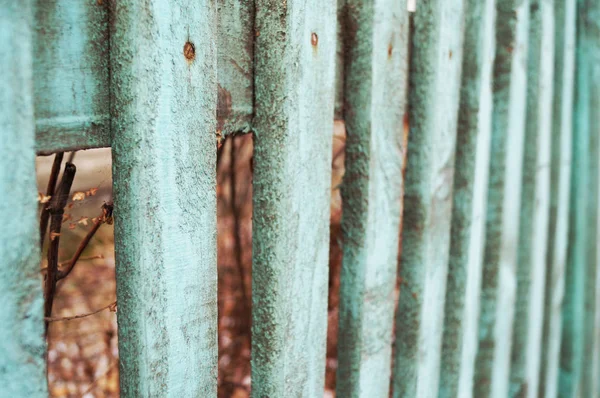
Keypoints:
(22, 345)
(294, 96)
(163, 107)
(71, 91)
(467, 233)
(535, 204)
(498, 287)
(564, 63)
(376, 80)
(436, 61)
(574, 313)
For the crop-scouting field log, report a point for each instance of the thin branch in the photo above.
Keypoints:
(63, 263)
(106, 215)
(70, 318)
(58, 158)
(56, 210)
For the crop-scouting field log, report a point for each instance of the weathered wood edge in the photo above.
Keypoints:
(163, 108)
(376, 80)
(22, 342)
(461, 312)
(294, 84)
(435, 70)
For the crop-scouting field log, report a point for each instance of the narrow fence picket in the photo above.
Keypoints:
(503, 200)
(573, 315)
(295, 48)
(22, 343)
(535, 202)
(163, 118)
(376, 75)
(469, 202)
(562, 115)
(435, 68)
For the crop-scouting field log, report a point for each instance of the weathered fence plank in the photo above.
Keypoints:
(376, 76)
(562, 114)
(591, 27)
(22, 344)
(163, 110)
(436, 61)
(574, 311)
(535, 204)
(71, 75)
(294, 87)
(469, 196)
(498, 287)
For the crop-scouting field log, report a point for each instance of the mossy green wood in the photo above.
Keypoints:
(498, 286)
(469, 201)
(436, 61)
(294, 87)
(376, 77)
(560, 174)
(22, 345)
(163, 110)
(574, 313)
(535, 204)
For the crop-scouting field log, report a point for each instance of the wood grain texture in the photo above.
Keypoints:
(376, 80)
(498, 288)
(436, 61)
(22, 345)
(294, 88)
(535, 204)
(71, 72)
(560, 173)
(574, 313)
(163, 106)
(469, 202)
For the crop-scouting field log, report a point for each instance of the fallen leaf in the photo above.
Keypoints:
(92, 192)
(72, 225)
(43, 198)
(54, 235)
(78, 196)
(83, 221)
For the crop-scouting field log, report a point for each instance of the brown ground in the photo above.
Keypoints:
(83, 353)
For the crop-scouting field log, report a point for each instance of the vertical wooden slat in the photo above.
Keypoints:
(436, 61)
(294, 95)
(591, 26)
(535, 202)
(498, 286)
(574, 311)
(376, 72)
(22, 342)
(163, 109)
(469, 202)
(562, 114)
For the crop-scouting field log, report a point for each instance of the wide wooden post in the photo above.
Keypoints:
(294, 96)
(22, 344)
(163, 110)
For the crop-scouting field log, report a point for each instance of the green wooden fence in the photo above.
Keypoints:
(491, 193)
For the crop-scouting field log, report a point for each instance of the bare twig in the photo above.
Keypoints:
(63, 263)
(50, 192)
(235, 210)
(56, 209)
(106, 216)
(70, 318)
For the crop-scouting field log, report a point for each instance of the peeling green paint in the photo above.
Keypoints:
(22, 345)
(294, 95)
(436, 61)
(376, 79)
(163, 107)
(564, 58)
(461, 312)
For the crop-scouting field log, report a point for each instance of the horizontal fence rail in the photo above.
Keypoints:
(470, 197)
